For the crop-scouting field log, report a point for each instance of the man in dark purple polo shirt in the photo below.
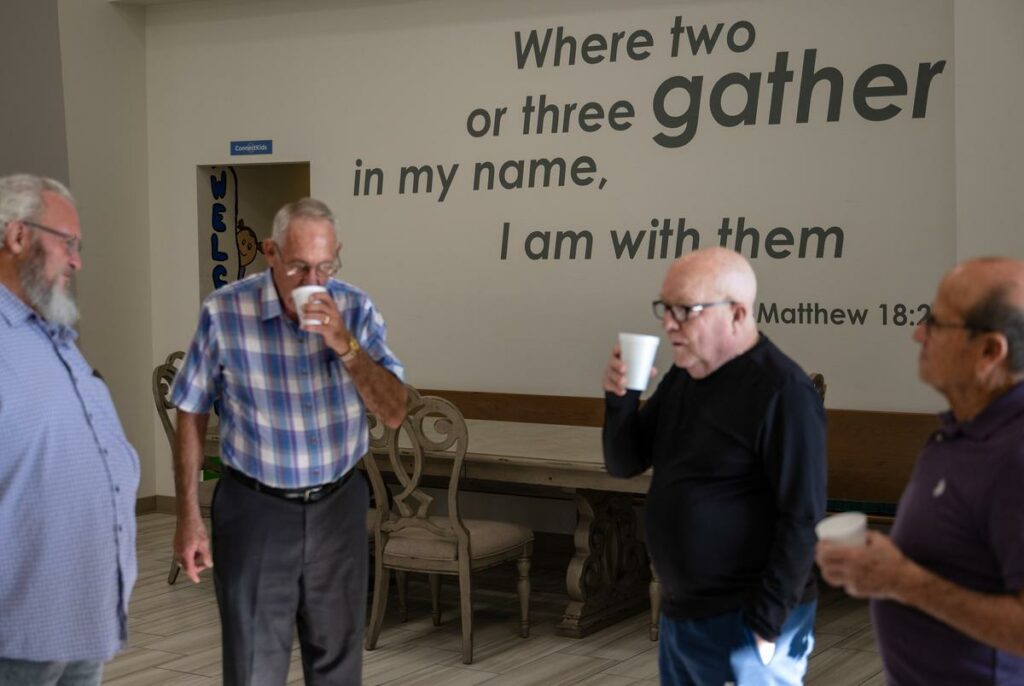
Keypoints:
(947, 588)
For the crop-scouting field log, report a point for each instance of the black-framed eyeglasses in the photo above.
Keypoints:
(72, 243)
(930, 322)
(324, 269)
(682, 313)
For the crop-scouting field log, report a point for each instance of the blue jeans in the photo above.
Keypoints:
(27, 673)
(721, 650)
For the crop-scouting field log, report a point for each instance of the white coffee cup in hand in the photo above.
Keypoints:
(300, 296)
(845, 528)
(638, 351)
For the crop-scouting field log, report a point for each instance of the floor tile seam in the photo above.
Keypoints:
(569, 649)
(399, 681)
(611, 663)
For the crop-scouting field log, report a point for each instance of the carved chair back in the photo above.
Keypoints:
(163, 378)
(433, 428)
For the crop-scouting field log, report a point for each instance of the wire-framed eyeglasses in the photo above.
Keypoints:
(324, 270)
(72, 243)
(930, 323)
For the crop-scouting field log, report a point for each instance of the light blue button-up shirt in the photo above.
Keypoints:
(68, 479)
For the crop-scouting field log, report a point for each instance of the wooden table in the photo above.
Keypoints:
(607, 578)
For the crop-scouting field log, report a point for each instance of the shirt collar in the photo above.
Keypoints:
(16, 313)
(270, 303)
(998, 413)
(12, 309)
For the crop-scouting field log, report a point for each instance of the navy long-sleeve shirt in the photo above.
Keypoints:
(739, 482)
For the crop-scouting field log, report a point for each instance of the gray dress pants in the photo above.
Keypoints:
(282, 565)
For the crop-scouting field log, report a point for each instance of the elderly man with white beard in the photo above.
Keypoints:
(68, 476)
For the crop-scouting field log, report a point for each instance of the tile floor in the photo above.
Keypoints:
(174, 635)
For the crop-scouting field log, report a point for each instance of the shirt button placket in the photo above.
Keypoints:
(312, 439)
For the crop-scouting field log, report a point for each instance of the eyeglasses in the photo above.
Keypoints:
(324, 270)
(929, 322)
(72, 243)
(682, 313)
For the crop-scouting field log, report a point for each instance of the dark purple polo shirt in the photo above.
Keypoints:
(962, 517)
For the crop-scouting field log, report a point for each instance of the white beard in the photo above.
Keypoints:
(52, 302)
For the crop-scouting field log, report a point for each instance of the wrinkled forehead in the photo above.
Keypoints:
(59, 213)
(313, 238)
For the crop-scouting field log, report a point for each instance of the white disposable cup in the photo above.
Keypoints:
(845, 528)
(638, 352)
(300, 295)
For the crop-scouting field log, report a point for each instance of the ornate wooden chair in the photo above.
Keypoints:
(163, 379)
(818, 380)
(407, 538)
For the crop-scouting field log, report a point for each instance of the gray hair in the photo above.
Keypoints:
(997, 313)
(21, 197)
(306, 208)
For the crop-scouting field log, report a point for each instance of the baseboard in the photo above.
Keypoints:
(145, 505)
(155, 503)
(162, 504)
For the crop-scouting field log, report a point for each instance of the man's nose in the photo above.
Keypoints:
(75, 260)
(668, 322)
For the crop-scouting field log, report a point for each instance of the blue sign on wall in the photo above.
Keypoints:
(252, 147)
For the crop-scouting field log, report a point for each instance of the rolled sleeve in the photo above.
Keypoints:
(371, 331)
(195, 386)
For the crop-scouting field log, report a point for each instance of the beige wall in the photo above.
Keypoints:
(392, 83)
(32, 137)
(990, 128)
(104, 56)
(214, 72)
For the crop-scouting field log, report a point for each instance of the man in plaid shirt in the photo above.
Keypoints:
(289, 523)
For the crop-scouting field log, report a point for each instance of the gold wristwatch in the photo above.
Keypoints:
(353, 350)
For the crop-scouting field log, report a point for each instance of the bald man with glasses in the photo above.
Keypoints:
(735, 433)
(947, 585)
(293, 388)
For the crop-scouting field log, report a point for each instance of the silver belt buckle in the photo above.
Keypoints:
(309, 492)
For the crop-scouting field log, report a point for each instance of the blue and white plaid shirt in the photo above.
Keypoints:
(68, 478)
(290, 414)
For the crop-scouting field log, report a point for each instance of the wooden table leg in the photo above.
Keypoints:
(607, 579)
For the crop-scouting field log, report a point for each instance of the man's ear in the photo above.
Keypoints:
(268, 248)
(16, 239)
(994, 351)
(739, 314)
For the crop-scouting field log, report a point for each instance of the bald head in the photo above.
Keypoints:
(973, 281)
(989, 291)
(706, 338)
(718, 273)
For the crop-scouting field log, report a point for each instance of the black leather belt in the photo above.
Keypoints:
(301, 495)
